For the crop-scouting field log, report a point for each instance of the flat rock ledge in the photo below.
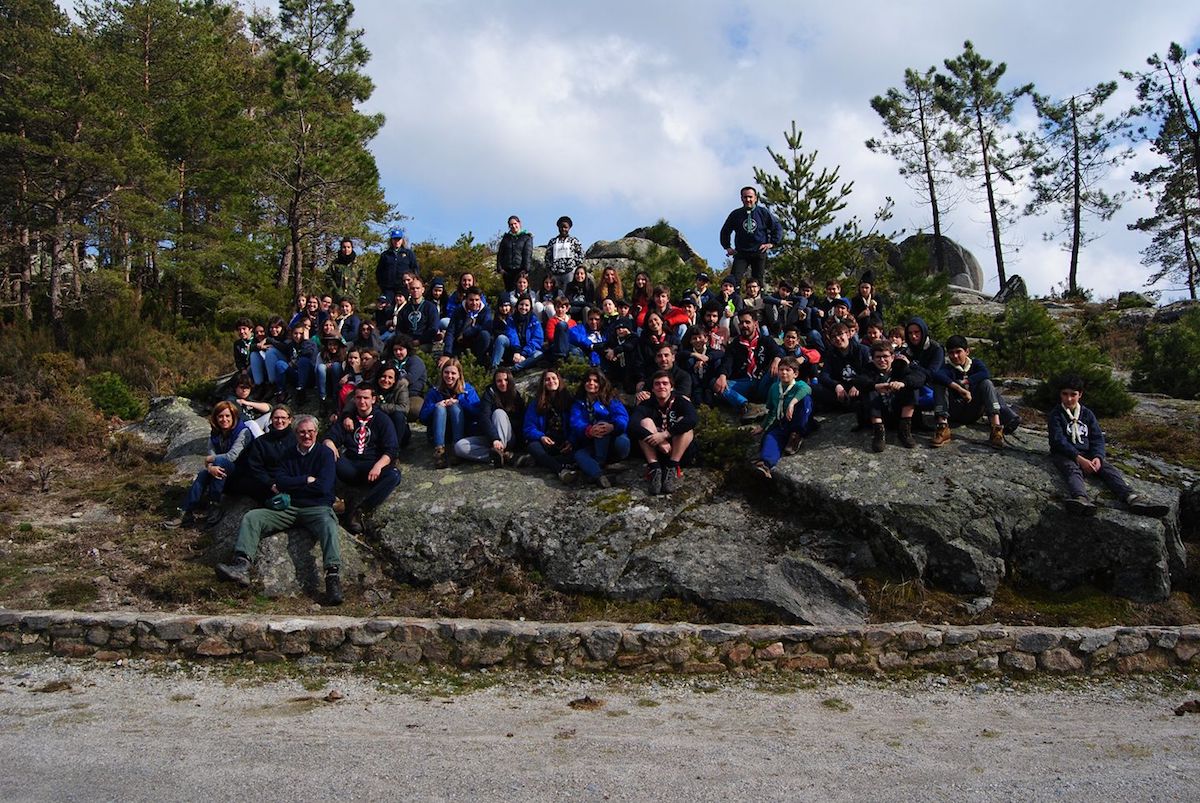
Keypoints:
(602, 646)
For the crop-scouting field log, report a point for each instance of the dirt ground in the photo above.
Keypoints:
(142, 731)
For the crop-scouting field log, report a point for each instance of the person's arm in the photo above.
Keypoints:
(1056, 430)
(527, 252)
(726, 231)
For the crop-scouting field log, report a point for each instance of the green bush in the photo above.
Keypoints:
(1103, 392)
(112, 396)
(1170, 358)
(721, 442)
(1027, 341)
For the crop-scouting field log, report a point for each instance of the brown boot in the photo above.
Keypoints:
(941, 435)
(996, 439)
(879, 438)
(906, 438)
(795, 441)
(439, 457)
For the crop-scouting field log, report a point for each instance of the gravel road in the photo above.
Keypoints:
(144, 731)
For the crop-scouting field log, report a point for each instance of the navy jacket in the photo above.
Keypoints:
(751, 228)
(1089, 429)
(929, 355)
(463, 327)
(418, 321)
(295, 469)
(840, 369)
(393, 264)
(381, 438)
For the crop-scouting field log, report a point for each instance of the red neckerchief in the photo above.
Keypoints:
(751, 360)
(361, 432)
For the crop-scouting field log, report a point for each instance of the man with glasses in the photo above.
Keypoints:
(302, 485)
(755, 232)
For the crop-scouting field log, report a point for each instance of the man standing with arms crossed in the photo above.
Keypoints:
(755, 232)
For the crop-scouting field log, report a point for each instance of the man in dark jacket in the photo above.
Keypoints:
(664, 360)
(515, 253)
(303, 485)
(751, 364)
(365, 446)
(755, 231)
(470, 329)
(396, 261)
(417, 316)
(845, 359)
(664, 427)
(887, 393)
(1077, 449)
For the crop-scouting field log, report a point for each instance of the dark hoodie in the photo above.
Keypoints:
(928, 355)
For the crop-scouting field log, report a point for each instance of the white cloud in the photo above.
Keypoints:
(629, 111)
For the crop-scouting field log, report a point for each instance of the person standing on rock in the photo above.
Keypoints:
(755, 231)
(515, 253)
(564, 253)
(1077, 449)
(394, 263)
(365, 446)
(303, 488)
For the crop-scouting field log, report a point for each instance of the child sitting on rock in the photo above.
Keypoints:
(1077, 449)
(972, 394)
(888, 393)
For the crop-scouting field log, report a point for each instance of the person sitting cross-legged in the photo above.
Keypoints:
(303, 488)
(888, 395)
(789, 409)
(664, 426)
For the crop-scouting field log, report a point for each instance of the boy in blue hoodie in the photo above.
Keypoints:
(1077, 449)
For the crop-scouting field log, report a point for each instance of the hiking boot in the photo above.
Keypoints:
(654, 479)
(187, 519)
(672, 478)
(795, 441)
(941, 435)
(752, 412)
(1081, 506)
(567, 476)
(333, 589)
(1141, 506)
(354, 522)
(237, 572)
(214, 516)
(1012, 424)
(996, 439)
(439, 457)
(496, 458)
(763, 468)
(878, 438)
(523, 460)
(603, 481)
(906, 438)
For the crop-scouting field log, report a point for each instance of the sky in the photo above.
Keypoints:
(620, 113)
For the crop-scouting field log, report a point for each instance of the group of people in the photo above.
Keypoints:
(773, 356)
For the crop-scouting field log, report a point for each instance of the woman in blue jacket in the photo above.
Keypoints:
(547, 427)
(598, 423)
(228, 437)
(450, 411)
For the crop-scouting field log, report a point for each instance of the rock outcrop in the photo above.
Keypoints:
(961, 265)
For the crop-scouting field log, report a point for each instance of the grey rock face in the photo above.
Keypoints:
(676, 242)
(634, 248)
(961, 265)
(963, 517)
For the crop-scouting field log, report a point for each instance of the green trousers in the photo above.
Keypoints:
(320, 521)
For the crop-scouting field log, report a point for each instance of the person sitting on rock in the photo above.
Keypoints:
(546, 427)
(751, 365)
(1077, 450)
(525, 336)
(654, 334)
(972, 394)
(809, 359)
(887, 394)
(789, 411)
(927, 354)
(597, 425)
(501, 417)
(618, 358)
(303, 488)
(364, 445)
(391, 399)
(664, 360)
(228, 437)
(866, 305)
(703, 364)
(450, 412)
(411, 375)
(470, 329)
(664, 426)
(842, 362)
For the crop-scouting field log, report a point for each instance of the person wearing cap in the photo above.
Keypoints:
(866, 306)
(701, 292)
(755, 231)
(515, 253)
(396, 261)
(564, 253)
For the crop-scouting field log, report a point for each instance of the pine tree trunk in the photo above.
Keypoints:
(939, 248)
(1076, 203)
(991, 199)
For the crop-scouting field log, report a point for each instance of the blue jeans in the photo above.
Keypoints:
(301, 375)
(206, 483)
(323, 372)
(263, 365)
(592, 456)
(448, 424)
(739, 391)
(354, 472)
(775, 438)
(529, 362)
(499, 346)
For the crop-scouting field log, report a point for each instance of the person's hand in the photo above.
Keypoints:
(853, 393)
(730, 252)
(601, 429)
(1085, 465)
(765, 247)
(641, 396)
(373, 474)
(896, 385)
(310, 480)
(840, 392)
(208, 459)
(1096, 464)
(720, 383)
(547, 441)
(756, 430)
(217, 472)
(498, 445)
(518, 358)
(348, 424)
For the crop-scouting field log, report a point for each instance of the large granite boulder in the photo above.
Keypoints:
(698, 544)
(965, 517)
(674, 238)
(633, 248)
(962, 267)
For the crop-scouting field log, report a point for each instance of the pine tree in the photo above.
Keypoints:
(918, 135)
(1076, 149)
(971, 94)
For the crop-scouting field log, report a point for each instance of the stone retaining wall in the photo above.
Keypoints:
(685, 648)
